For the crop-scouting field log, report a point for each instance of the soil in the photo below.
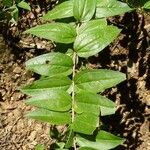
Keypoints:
(130, 54)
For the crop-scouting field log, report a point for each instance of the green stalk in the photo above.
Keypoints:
(75, 61)
(73, 86)
(73, 93)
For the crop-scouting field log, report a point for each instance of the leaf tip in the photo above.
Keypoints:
(27, 31)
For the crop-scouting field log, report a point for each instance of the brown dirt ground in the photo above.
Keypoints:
(130, 54)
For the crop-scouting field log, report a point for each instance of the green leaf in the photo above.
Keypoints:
(70, 138)
(7, 3)
(147, 5)
(57, 118)
(108, 140)
(58, 32)
(86, 148)
(70, 52)
(51, 64)
(46, 85)
(104, 141)
(85, 123)
(24, 5)
(63, 10)
(107, 8)
(97, 80)
(92, 25)
(39, 147)
(83, 104)
(61, 149)
(84, 10)
(60, 145)
(86, 101)
(94, 39)
(52, 100)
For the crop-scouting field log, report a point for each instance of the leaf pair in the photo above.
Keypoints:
(87, 103)
(58, 66)
(83, 10)
(91, 37)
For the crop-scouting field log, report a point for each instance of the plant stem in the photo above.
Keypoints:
(73, 93)
(73, 86)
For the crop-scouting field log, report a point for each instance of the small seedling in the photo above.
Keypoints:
(10, 9)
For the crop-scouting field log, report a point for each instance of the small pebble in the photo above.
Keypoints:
(17, 70)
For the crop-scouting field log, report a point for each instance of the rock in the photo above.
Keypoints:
(17, 70)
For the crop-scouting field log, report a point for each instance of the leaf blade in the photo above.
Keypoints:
(63, 10)
(52, 100)
(58, 32)
(86, 101)
(86, 148)
(104, 140)
(147, 5)
(51, 64)
(46, 85)
(108, 140)
(70, 139)
(52, 117)
(97, 80)
(92, 25)
(85, 123)
(84, 10)
(107, 8)
(94, 40)
(24, 5)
